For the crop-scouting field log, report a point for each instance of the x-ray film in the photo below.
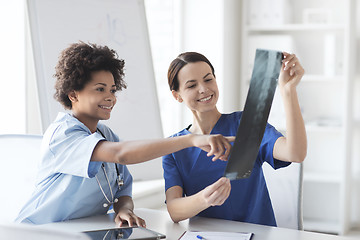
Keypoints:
(254, 118)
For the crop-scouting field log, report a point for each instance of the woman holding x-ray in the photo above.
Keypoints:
(193, 184)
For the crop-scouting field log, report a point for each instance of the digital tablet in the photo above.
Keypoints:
(255, 115)
(124, 233)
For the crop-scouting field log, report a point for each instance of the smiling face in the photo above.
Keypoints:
(197, 87)
(96, 100)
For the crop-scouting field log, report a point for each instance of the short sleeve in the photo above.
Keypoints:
(171, 172)
(267, 147)
(71, 148)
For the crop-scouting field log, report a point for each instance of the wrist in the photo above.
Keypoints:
(190, 140)
(125, 209)
(288, 91)
(200, 198)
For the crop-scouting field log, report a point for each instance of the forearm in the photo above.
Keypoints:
(140, 151)
(185, 207)
(132, 152)
(296, 141)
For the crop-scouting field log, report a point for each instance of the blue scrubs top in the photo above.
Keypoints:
(66, 186)
(249, 200)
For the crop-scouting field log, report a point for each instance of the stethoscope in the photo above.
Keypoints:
(119, 180)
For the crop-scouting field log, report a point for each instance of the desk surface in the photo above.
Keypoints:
(160, 221)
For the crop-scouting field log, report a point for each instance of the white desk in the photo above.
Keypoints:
(160, 221)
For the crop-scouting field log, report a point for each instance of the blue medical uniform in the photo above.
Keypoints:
(249, 200)
(66, 186)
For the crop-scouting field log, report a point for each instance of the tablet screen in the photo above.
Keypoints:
(124, 233)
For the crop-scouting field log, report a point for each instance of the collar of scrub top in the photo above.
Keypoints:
(120, 177)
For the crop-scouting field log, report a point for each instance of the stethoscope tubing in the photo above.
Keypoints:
(119, 180)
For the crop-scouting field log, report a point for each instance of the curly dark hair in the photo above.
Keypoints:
(78, 62)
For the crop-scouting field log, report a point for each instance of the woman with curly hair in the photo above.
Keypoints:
(82, 170)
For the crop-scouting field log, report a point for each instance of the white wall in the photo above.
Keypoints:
(355, 188)
(232, 56)
(32, 107)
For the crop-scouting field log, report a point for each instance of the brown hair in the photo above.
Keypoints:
(178, 63)
(77, 63)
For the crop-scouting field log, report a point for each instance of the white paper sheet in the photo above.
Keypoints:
(190, 235)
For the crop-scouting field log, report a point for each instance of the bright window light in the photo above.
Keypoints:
(12, 67)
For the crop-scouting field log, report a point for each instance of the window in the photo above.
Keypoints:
(12, 67)
(161, 18)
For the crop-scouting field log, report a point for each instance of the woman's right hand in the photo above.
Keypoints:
(214, 144)
(216, 193)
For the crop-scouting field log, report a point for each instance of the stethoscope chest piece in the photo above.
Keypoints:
(120, 181)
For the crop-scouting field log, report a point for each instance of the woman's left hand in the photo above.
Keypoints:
(291, 72)
(126, 215)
